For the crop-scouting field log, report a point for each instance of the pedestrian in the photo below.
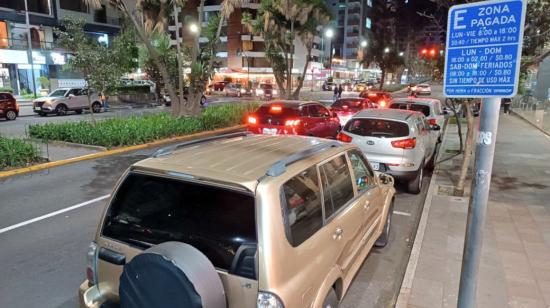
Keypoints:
(103, 98)
(340, 90)
(507, 102)
(335, 90)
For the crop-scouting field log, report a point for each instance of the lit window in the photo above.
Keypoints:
(368, 23)
(369, 3)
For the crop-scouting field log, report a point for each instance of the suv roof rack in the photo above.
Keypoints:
(170, 149)
(279, 167)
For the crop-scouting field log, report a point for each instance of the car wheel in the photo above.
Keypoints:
(96, 107)
(203, 100)
(331, 301)
(415, 186)
(78, 111)
(431, 163)
(384, 238)
(11, 115)
(61, 110)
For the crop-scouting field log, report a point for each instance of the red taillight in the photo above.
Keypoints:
(343, 137)
(276, 109)
(432, 121)
(292, 122)
(382, 103)
(409, 143)
(252, 120)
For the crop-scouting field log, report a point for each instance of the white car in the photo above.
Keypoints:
(423, 89)
(396, 142)
(430, 107)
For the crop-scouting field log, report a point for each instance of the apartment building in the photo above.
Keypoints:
(18, 60)
(241, 54)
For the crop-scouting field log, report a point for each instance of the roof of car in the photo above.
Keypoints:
(289, 103)
(222, 160)
(390, 114)
(416, 100)
(423, 84)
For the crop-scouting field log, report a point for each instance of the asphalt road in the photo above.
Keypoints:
(43, 257)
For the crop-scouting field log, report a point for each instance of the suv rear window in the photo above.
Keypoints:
(149, 210)
(351, 104)
(412, 106)
(377, 128)
(275, 114)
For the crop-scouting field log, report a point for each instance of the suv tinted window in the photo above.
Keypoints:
(149, 210)
(275, 114)
(302, 206)
(364, 177)
(337, 184)
(377, 128)
(414, 107)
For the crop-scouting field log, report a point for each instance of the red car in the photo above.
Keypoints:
(294, 118)
(381, 98)
(345, 108)
(9, 109)
(220, 85)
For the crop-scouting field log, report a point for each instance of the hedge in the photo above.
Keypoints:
(137, 130)
(133, 89)
(17, 153)
(5, 89)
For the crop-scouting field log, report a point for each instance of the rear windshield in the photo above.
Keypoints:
(266, 86)
(353, 104)
(411, 106)
(377, 128)
(274, 114)
(149, 210)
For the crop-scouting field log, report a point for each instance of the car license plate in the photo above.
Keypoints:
(37, 108)
(269, 131)
(375, 166)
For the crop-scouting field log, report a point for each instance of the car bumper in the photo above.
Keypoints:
(42, 109)
(402, 175)
(89, 297)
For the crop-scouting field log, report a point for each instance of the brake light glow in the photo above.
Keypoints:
(343, 137)
(408, 143)
(382, 103)
(252, 120)
(373, 94)
(294, 122)
(432, 121)
(276, 109)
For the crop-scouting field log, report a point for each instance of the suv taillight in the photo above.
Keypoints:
(432, 121)
(409, 143)
(343, 137)
(292, 122)
(269, 300)
(91, 263)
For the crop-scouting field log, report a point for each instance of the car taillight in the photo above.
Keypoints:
(343, 137)
(293, 122)
(252, 120)
(91, 263)
(17, 107)
(382, 103)
(268, 300)
(432, 121)
(409, 143)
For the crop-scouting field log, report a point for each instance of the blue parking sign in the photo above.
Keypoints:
(483, 50)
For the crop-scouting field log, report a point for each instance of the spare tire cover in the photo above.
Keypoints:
(171, 274)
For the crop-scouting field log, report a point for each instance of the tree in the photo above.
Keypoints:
(281, 22)
(102, 66)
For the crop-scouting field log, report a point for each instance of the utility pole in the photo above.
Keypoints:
(29, 47)
(178, 48)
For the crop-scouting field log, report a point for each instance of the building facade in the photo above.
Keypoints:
(21, 59)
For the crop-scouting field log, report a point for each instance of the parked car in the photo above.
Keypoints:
(220, 85)
(328, 86)
(347, 86)
(239, 221)
(360, 87)
(9, 108)
(266, 91)
(430, 107)
(345, 108)
(294, 118)
(168, 102)
(381, 98)
(63, 100)
(398, 142)
(236, 90)
(423, 89)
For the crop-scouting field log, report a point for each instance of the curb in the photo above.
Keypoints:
(530, 123)
(8, 173)
(71, 144)
(406, 285)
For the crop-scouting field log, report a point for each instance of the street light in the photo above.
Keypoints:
(401, 54)
(364, 43)
(194, 28)
(329, 33)
(386, 50)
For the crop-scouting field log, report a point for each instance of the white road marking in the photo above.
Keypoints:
(402, 213)
(70, 208)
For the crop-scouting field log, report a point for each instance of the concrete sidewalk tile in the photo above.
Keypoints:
(544, 286)
(522, 302)
(427, 293)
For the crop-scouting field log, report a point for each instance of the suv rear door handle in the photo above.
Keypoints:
(338, 233)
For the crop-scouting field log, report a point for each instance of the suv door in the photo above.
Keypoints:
(424, 136)
(330, 124)
(313, 122)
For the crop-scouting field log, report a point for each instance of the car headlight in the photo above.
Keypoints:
(274, 92)
(259, 92)
(243, 91)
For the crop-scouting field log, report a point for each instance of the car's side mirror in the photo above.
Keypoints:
(384, 178)
(435, 127)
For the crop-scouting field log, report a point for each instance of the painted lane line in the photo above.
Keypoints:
(70, 208)
(402, 213)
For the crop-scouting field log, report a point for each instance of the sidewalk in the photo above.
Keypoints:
(515, 265)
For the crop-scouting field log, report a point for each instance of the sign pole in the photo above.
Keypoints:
(477, 209)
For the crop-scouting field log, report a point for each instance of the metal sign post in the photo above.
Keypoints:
(482, 60)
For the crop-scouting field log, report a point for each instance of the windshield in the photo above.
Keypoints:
(412, 106)
(377, 128)
(149, 210)
(266, 86)
(59, 92)
(350, 104)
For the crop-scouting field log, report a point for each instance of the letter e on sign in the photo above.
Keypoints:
(458, 19)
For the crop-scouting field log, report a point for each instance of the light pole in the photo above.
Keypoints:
(29, 47)
(364, 44)
(329, 33)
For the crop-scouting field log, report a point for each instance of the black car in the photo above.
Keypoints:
(168, 102)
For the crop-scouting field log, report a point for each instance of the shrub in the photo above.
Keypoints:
(6, 89)
(133, 89)
(138, 130)
(17, 153)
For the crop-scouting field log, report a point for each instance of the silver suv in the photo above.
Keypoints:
(398, 142)
(63, 100)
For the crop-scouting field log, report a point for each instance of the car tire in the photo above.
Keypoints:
(78, 111)
(11, 115)
(415, 186)
(431, 163)
(203, 101)
(42, 114)
(384, 238)
(96, 107)
(61, 110)
(331, 300)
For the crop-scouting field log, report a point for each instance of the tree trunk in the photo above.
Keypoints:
(290, 62)
(218, 33)
(90, 106)
(196, 88)
(296, 94)
(382, 79)
(468, 149)
(177, 109)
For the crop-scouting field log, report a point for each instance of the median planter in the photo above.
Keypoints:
(17, 153)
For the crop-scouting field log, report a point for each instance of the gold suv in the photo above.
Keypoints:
(239, 221)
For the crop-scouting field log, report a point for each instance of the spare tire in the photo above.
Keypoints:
(171, 274)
